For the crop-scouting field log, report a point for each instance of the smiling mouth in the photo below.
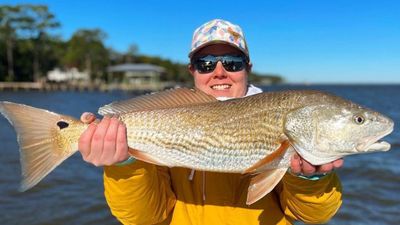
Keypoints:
(221, 87)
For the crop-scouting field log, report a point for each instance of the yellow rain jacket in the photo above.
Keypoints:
(142, 193)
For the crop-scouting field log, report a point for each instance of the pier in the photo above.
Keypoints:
(43, 86)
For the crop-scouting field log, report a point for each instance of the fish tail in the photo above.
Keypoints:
(43, 138)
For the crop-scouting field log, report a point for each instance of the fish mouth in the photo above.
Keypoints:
(220, 87)
(372, 144)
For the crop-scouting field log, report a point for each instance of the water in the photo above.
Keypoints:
(73, 193)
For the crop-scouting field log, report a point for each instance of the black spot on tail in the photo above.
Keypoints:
(62, 124)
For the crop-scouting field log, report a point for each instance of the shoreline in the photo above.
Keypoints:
(43, 86)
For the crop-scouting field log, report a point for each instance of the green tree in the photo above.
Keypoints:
(86, 51)
(130, 55)
(36, 21)
(9, 23)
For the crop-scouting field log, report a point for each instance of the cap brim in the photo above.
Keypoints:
(216, 42)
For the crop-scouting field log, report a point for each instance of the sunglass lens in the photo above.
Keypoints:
(206, 64)
(233, 63)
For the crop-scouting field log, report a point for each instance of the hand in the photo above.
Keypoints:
(103, 143)
(299, 165)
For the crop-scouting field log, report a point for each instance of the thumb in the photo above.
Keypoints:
(88, 117)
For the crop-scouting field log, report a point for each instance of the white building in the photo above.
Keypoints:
(135, 73)
(57, 75)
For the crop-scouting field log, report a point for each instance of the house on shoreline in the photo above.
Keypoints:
(126, 77)
(72, 74)
(135, 75)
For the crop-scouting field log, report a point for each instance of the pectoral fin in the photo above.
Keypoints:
(160, 100)
(269, 158)
(263, 183)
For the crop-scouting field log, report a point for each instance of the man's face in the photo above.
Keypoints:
(219, 82)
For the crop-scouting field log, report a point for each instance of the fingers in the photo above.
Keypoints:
(295, 164)
(307, 168)
(98, 141)
(338, 163)
(109, 145)
(329, 167)
(85, 141)
(121, 153)
(88, 117)
(104, 143)
(299, 165)
(326, 168)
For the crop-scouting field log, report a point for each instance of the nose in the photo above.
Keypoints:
(219, 71)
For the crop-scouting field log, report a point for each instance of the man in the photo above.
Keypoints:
(142, 193)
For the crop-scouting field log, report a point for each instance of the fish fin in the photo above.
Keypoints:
(263, 183)
(145, 157)
(40, 149)
(269, 158)
(158, 100)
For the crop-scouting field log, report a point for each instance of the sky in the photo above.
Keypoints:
(304, 41)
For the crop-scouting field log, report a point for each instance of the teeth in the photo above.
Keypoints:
(221, 86)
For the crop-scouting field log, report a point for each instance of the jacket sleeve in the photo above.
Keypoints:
(139, 193)
(313, 202)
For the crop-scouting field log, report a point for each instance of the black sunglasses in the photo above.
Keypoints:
(231, 63)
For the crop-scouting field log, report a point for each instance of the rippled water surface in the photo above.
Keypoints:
(73, 193)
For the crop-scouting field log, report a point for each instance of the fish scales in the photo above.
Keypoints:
(226, 137)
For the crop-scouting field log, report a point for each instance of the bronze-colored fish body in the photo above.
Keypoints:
(228, 136)
(187, 128)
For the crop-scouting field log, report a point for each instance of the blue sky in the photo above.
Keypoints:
(310, 41)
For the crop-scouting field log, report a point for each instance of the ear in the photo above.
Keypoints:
(249, 67)
(191, 69)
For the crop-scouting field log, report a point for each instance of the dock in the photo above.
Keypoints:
(43, 86)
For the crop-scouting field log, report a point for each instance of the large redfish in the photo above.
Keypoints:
(186, 128)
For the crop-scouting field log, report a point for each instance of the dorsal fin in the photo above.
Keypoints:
(159, 100)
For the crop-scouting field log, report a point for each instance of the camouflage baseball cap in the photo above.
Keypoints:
(218, 31)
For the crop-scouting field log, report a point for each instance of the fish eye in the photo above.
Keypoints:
(358, 119)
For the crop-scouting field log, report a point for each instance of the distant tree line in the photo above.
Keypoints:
(28, 49)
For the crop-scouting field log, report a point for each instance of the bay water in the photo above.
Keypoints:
(73, 193)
